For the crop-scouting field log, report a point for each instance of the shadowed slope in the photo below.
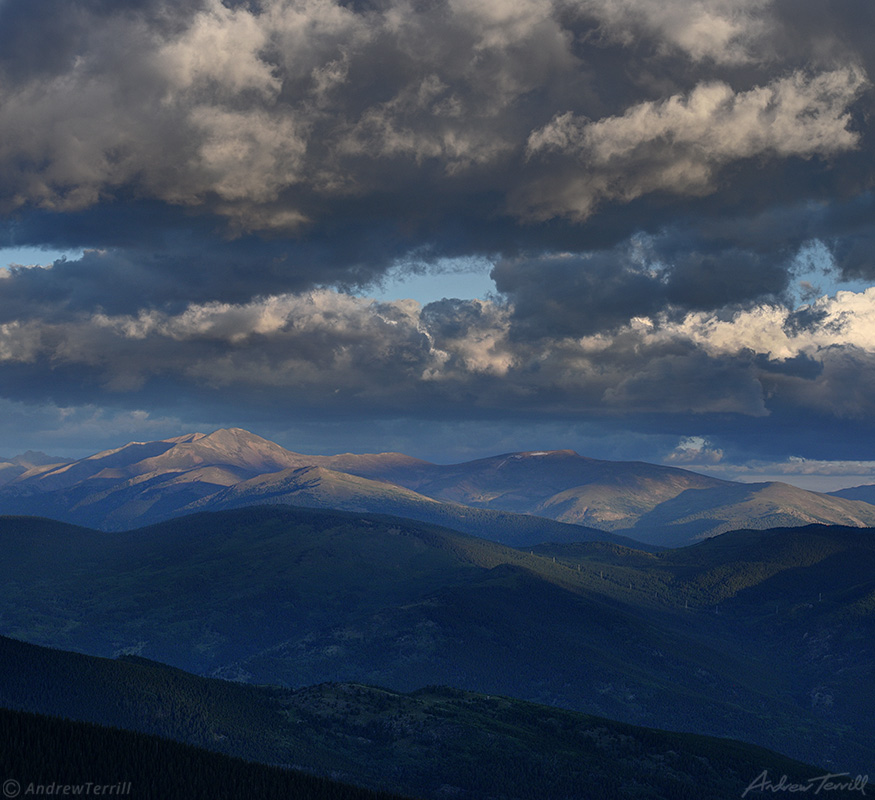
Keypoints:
(430, 743)
(297, 596)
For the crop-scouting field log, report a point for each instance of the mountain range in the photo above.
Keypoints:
(11, 468)
(760, 636)
(520, 499)
(338, 597)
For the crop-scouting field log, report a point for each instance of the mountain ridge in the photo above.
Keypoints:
(144, 482)
(763, 636)
(864, 492)
(320, 487)
(431, 743)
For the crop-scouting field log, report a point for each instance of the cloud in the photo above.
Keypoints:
(233, 107)
(694, 450)
(821, 475)
(359, 136)
(645, 177)
(680, 144)
(575, 294)
(79, 430)
(725, 31)
(270, 114)
(756, 375)
(817, 358)
(331, 350)
(812, 466)
(307, 345)
(844, 322)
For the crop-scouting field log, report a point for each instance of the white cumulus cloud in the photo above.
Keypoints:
(679, 144)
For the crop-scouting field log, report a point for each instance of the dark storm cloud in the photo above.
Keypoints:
(275, 115)
(247, 111)
(329, 349)
(43, 38)
(649, 177)
(807, 29)
(573, 295)
(332, 357)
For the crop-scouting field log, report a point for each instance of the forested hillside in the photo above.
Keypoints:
(49, 756)
(434, 742)
(756, 636)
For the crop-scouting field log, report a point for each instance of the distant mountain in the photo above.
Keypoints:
(864, 493)
(11, 468)
(146, 482)
(557, 483)
(646, 502)
(437, 742)
(758, 636)
(317, 487)
(695, 514)
(35, 458)
(9, 471)
(234, 451)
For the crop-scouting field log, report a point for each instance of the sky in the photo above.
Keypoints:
(641, 229)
